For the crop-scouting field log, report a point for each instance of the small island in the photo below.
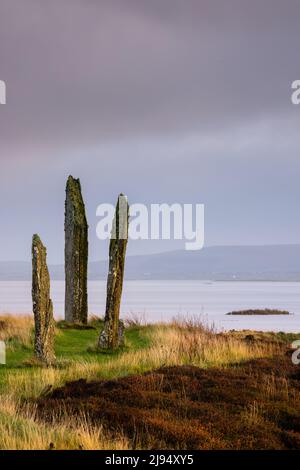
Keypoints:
(266, 311)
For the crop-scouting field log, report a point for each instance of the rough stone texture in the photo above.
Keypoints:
(42, 304)
(76, 254)
(112, 335)
(121, 339)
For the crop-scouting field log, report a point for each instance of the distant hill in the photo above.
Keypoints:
(275, 263)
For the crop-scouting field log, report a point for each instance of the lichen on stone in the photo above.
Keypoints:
(42, 304)
(76, 254)
(112, 335)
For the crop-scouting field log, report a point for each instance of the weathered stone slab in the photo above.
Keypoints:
(112, 335)
(42, 304)
(76, 254)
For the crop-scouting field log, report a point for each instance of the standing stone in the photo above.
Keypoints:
(76, 254)
(42, 304)
(112, 335)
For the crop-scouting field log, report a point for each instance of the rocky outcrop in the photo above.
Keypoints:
(42, 304)
(76, 254)
(112, 335)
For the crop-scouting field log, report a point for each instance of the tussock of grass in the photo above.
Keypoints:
(16, 330)
(135, 320)
(20, 429)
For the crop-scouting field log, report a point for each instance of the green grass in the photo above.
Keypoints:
(71, 345)
(16, 355)
(74, 344)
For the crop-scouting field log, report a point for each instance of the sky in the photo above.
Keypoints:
(164, 100)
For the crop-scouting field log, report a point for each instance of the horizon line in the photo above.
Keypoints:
(172, 251)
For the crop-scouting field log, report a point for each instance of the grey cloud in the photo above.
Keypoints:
(85, 71)
(163, 99)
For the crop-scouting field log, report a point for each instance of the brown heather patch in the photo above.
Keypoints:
(255, 405)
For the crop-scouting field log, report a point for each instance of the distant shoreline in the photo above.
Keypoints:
(275, 263)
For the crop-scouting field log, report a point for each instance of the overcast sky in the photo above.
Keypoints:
(164, 100)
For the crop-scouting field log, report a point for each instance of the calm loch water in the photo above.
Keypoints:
(162, 300)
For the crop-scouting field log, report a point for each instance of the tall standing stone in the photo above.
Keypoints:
(76, 254)
(42, 304)
(112, 335)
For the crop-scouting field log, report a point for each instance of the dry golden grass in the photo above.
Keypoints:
(180, 343)
(21, 430)
(253, 414)
(16, 328)
(184, 344)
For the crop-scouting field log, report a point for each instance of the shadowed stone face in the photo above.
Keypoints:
(76, 254)
(112, 335)
(42, 304)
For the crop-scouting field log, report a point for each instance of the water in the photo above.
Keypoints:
(162, 300)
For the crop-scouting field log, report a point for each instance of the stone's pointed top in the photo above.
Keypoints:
(73, 183)
(121, 218)
(36, 238)
(37, 241)
(122, 199)
(71, 178)
(73, 186)
(75, 199)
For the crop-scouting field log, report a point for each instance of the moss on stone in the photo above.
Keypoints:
(112, 335)
(76, 254)
(42, 304)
